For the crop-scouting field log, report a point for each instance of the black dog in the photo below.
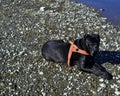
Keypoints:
(57, 51)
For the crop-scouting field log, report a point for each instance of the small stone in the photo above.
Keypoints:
(42, 9)
(104, 26)
(101, 80)
(117, 92)
(102, 85)
(41, 73)
(102, 9)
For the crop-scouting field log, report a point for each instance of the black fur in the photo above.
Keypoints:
(57, 51)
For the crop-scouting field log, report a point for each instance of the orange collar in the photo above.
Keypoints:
(74, 48)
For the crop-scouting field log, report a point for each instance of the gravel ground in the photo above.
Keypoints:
(25, 25)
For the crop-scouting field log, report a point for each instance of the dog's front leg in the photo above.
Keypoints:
(83, 68)
(99, 70)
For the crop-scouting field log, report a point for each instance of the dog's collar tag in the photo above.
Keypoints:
(74, 48)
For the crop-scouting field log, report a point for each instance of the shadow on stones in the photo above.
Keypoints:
(112, 57)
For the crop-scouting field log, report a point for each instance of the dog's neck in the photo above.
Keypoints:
(80, 44)
(74, 48)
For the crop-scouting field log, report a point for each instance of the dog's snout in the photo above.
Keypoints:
(96, 47)
(94, 52)
(93, 49)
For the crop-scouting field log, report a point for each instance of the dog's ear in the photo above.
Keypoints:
(85, 36)
(93, 35)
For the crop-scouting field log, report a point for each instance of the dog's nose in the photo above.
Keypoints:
(96, 48)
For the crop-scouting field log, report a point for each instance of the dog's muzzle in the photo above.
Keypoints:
(94, 51)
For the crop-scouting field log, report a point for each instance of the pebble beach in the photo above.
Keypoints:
(25, 25)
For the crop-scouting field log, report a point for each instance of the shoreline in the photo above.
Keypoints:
(111, 13)
(27, 25)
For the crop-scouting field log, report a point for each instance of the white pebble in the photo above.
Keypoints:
(101, 80)
(102, 85)
(104, 26)
(41, 73)
(10, 83)
(42, 9)
(117, 92)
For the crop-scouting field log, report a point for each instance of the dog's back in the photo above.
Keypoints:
(55, 50)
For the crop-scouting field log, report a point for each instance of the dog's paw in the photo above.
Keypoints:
(107, 76)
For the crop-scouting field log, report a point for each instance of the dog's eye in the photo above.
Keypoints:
(93, 44)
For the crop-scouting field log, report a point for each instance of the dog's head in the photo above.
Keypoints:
(92, 42)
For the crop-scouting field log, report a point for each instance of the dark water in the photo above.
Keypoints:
(111, 9)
